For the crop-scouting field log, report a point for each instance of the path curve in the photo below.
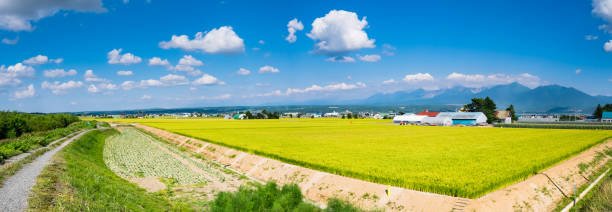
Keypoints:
(16, 189)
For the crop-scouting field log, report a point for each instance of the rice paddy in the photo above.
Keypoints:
(456, 161)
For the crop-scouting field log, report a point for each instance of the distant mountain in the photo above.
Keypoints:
(549, 98)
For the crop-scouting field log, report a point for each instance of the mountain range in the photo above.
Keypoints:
(548, 98)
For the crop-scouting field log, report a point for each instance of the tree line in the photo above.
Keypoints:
(263, 115)
(15, 124)
(599, 110)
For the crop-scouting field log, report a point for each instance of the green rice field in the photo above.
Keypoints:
(456, 161)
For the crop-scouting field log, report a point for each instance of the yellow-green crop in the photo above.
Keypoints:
(458, 161)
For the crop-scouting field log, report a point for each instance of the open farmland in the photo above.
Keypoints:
(459, 161)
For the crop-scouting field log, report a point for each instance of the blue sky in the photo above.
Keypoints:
(341, 50)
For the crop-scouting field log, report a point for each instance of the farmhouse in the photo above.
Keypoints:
(429, 114)
(465, 118)
(504, 116)
(332, 114)
(606, 117)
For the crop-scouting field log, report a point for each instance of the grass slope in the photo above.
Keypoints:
(78, 180)
(457, 161)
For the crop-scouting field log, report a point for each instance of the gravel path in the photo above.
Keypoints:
(16, 189)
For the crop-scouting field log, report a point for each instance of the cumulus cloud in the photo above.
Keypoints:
(578, 71)
(207, 79)
(340, 32)
(217, 41)
(243, 71)
(125, 73)
(418, 77)
(41, 59)
(268, 69)
(608, 46)
(53, 73)
(145, 97)
(189, 60)
(91, 77)
(173, 80)
(389, 81)
(27, 93)
(292, 27)
(115, 57)
(369, 58)
(59, 88)
(316, 88)
(18, 15)
(156, 61)
(341, 59)
(12, 75)
(603, 9)
(101, 87)
(186, 64)
(10, 41)
(479, 80)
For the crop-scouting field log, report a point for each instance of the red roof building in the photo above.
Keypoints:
(427, 113)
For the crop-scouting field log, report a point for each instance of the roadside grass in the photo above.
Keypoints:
(269, 197)
(600, 197)
(456, 161)
(78, 180)
(14, 167)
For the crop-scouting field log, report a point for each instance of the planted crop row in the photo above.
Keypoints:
(131, 155)
(556, 126)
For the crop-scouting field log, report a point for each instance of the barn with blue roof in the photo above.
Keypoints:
(606, 117)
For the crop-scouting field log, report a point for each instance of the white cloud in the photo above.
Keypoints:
(389, 81)
(410, 78)
(603, 9)
(608, 46)
(578, 71)
(156, 61)
(591, 37)
(369, 58)
(145, 97)
(189, 60)
(173, 80)
(479, 80)
(17, 15)
(59, 73)
(261, 42)
(218, 41)
(262, 84)
(292, 27)
(28, 92)
(243, 71)
(59, 88)
(12, 75)
(219, 97)
(268, 69)
(388, 50)
(41, 59)
(341, 59)
(125, 73)
(340, 32)
(10, 41)
(208, 80)
(316, 88)
(101, 87)
(115, 57)
(91, 77)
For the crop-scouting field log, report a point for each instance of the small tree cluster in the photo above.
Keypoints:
(486, 106)
(599, 110)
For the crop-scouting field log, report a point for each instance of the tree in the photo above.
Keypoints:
(486, 106)
(512, 113)
(349, 116)
(249, 115)
(598, 111)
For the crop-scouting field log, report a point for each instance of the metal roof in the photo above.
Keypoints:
(461, 115)
(606, 115)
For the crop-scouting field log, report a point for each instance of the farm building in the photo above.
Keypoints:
(332, 114)
(407, 118)
(437, 121)
(429, 114)
(503, 116)
(465, 118)
(606, 117)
